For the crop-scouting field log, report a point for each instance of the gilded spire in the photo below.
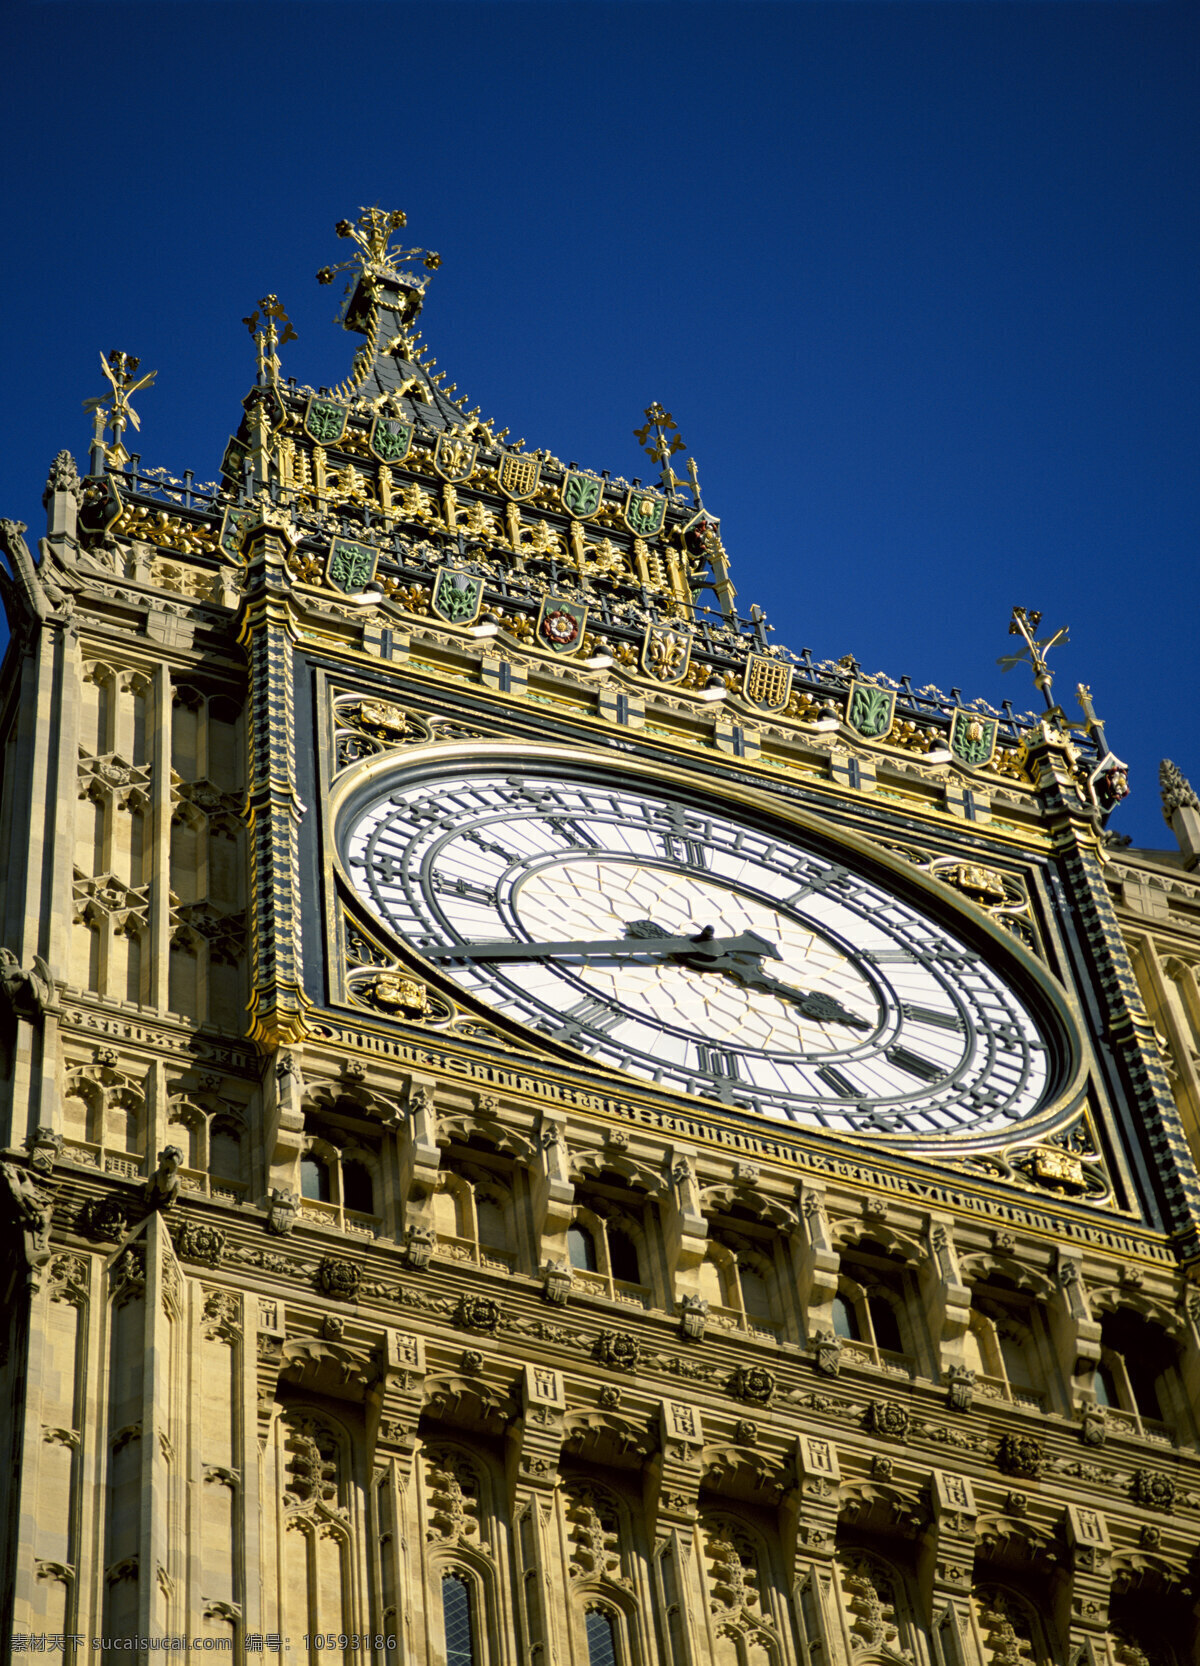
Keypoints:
(113, 410)
(1177, 791)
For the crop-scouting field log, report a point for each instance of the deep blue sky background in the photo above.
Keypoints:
(918, 281)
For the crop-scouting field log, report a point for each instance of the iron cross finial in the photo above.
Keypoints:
(667, 440)
(1024, 623)
(113, 410)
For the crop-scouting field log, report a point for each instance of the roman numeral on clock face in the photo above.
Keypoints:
(837, 1081)
(927, 1015)
(588, 1014)
(914, 1065)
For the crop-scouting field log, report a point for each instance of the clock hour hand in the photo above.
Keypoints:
(746, 968)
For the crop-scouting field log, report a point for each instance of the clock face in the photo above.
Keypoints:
(680, 941)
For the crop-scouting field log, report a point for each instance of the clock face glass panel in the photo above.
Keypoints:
(862, 1010)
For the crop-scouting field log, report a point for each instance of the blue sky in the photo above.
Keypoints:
(918, 282)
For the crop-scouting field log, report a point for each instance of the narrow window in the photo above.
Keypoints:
(845, 1320)
(601, 1639)
(456, 1619)
(581, 1248)
(357, 1191)
(314, 1179)
(623, 1256)
(885, 1325)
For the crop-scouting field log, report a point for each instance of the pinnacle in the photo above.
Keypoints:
(1177, 791)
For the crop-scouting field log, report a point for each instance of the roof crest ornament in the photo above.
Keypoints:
(1025, 624)
(267, 337)
(113, 410)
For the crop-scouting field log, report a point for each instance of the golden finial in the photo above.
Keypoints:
(1025, 624)
(113, 410)
(667, 441)
(372, 233)
(267, 337)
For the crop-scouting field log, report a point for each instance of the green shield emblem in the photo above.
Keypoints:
(973, 738)
(456, 597)
(666, 654)
(101, 506)
(519, 476)
(870, 709)
(233, 463)
(454, 457)
(560, 625)
(390, 439)
(644, 512)
(324, 421)
(233, 529)
(351, 566)
(581, 494)
(767, 683)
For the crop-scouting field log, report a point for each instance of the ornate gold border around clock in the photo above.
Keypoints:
(940, 898)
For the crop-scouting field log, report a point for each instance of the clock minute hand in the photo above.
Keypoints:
(699, 951)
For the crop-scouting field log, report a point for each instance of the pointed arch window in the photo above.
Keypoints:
(458, 1621)
(601, 1638)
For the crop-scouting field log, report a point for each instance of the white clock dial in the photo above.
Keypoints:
(789, 982)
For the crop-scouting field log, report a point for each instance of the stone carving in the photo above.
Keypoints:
(693, 1317)
(618, 1350)
(886, 1417)
(960, 1389)
(102, 1217)
(196, 1242)
(1093, 1429)
(333, 1327)
(556, 1287)
(753, 1383)
(222, 1316)
(610, 1398)
(881, 1468)
(419, 1245)
(1006, 1627)
(595, 1528)
(471, 1360)
(827, 1353)
(29, 994)
(871, 1604)
(282, 1211)
(1020, 1455)
(129, 1274)
(339, 1278)
(453, 1490)
(33, 1207)
(1176, 789)
(312, 1477)
(63, 477)
(1157, 1492)
(478, 1313)
(162, 1188)
(745, 1432)
(45, 1148)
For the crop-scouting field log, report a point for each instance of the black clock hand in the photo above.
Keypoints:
(747, 971)
(699, 951)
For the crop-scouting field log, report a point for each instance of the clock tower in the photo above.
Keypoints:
(539, 1123)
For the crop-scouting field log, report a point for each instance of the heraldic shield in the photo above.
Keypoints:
(324, 421)
(560, 625)
(350, 566)
(767, 683)
(581, 494)
(234, 525)
(973, 738)
(390, 439)
(870, 709)
(666, 654)
(454, 457)
(519, 477)
(456, 596)
(644, 512)
(233, 462)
